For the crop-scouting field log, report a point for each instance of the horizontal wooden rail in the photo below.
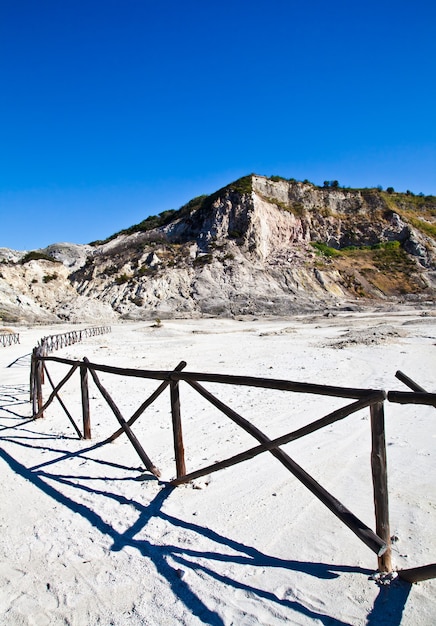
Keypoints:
(279, 384)
(419, 395)
(417, 574)
(228, 379)
(412, 397)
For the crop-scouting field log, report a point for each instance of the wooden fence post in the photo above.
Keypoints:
(42, 352)
(85, 401)
(380, 483)
(39, 379)
(33, 382)
(177, 429)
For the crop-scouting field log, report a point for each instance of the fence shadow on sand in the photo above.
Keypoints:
(171, 560)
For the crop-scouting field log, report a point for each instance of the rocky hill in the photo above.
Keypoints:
(258, 246)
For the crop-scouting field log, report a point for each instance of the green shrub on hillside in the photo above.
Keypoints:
(49, 277)
(37, 256)
(323, 248)
(122, 278)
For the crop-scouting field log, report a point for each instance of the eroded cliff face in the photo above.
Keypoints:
(336, 217)
(41, 292)
(265, 248)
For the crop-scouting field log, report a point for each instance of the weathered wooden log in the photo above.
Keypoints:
(134, 441)
(335, 416)
(146, 404)
(32, 381)
(70, 417)
(365, 534)
(42, 354)
(409, 397)
(177, 429)
(38, 384)
(271, 383)
(409, 382)
(266, 383)
(85, 401)
(417, 574)
(380, 483)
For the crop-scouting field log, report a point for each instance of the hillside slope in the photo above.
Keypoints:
(258, 246)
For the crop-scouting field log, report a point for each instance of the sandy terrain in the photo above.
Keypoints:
(88, 537)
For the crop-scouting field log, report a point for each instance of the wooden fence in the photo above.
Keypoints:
(378, 541)
(55, 342)
(8, 339)
(49, 344)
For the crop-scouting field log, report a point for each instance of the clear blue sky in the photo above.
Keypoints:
(113, 110)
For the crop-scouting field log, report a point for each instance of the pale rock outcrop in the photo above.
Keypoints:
(244, 250)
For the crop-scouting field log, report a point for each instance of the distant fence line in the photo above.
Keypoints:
(55, 342)
(7, 339)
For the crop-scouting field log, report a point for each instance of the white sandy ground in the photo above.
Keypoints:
(88, 537)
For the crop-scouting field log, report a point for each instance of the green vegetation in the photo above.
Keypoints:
(386, 245)
(384, 266)
(389, 247)
(242, 185)
(204, 259)
(122, 278)
(235, 234)
(276, 179)
(391, 257)
(37, 256)
(422, 225)
(49, 277)
(200, 203)
(151, 222)
(419, 211)
(193, 205)
(324, 249)
(145, 270)
(110, 271)
(297, 208)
